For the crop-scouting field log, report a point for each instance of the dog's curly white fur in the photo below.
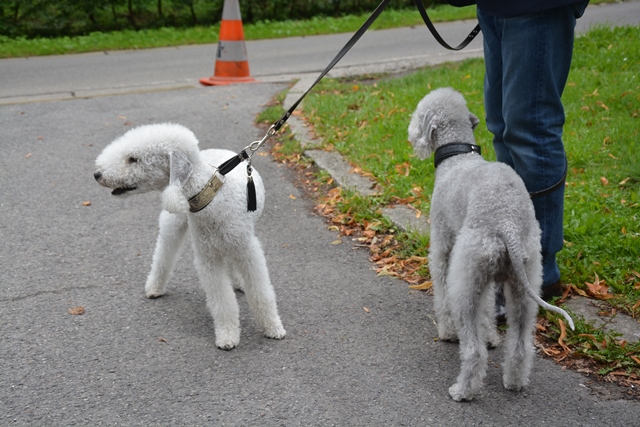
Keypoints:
(166, 157)
(483, 233)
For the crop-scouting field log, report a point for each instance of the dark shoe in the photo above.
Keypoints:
(554, 290)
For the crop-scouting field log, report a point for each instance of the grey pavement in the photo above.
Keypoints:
(360, 348)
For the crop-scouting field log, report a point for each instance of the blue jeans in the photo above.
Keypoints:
(527, 60)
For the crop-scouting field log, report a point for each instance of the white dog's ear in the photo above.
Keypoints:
(180, 169)
(474, 121)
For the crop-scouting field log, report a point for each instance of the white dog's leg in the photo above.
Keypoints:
(173, 229)
(466, 289)
(259, 290)
(221, 300)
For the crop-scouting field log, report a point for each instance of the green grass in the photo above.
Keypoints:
(366, 121)
(163, 37)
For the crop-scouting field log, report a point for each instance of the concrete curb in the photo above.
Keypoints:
(340, 169)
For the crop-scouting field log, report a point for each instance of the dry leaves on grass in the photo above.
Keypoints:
(565, 356)
(598, 289)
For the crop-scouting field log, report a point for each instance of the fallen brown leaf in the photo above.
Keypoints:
(77, 311)
(425, 286)
(578, 291)
(624, 181)
(598, 289)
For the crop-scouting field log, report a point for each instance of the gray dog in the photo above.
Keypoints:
(483, 233)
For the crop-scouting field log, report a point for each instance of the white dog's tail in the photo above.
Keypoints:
(518, 265)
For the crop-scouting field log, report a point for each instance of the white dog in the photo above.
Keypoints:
(483, 232)
(165, 157)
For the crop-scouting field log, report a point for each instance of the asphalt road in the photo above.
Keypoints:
(132, 361)
(91, 74)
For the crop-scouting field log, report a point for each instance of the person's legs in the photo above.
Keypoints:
(527, 64)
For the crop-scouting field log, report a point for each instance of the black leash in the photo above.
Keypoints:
(427, 21)
(230, 164)
(555, 186)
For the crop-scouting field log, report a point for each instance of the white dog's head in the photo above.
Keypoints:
(441, 117)
(147, 158)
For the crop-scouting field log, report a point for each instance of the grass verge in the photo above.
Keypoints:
(164, 37)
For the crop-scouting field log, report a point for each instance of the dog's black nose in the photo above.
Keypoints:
(97, 175)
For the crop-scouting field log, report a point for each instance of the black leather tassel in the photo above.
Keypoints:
(251, 195)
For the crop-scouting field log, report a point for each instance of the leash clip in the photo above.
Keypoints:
(255, 145)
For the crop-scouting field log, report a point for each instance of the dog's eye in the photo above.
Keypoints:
(131, 160)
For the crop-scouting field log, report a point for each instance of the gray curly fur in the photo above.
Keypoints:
(483, 234)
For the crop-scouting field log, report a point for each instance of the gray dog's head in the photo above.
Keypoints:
(442, 117)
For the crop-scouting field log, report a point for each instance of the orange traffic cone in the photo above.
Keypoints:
(232, 65)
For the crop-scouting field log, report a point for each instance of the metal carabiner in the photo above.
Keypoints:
(255, 145)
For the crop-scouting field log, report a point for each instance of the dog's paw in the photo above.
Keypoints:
(154, 295)
(226, 344)
(276, 332)
(153, 291)
(227, 338)
(447, 334)
(459, 394)
(493, 341)
(514, 385)
(448, 337)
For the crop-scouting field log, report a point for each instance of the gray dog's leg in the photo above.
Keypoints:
(438, 267)
(467, 288)
(487, 313)
(521, 318)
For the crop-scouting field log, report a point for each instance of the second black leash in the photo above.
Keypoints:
(248, 151)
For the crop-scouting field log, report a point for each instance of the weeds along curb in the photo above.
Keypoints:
(341, 170)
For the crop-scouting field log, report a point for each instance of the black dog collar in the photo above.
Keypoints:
(453, 149)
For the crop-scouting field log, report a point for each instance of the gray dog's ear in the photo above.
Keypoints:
(180, 169)
(430, 126)
(474, 121)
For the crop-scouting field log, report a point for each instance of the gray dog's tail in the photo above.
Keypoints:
(515, 254)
